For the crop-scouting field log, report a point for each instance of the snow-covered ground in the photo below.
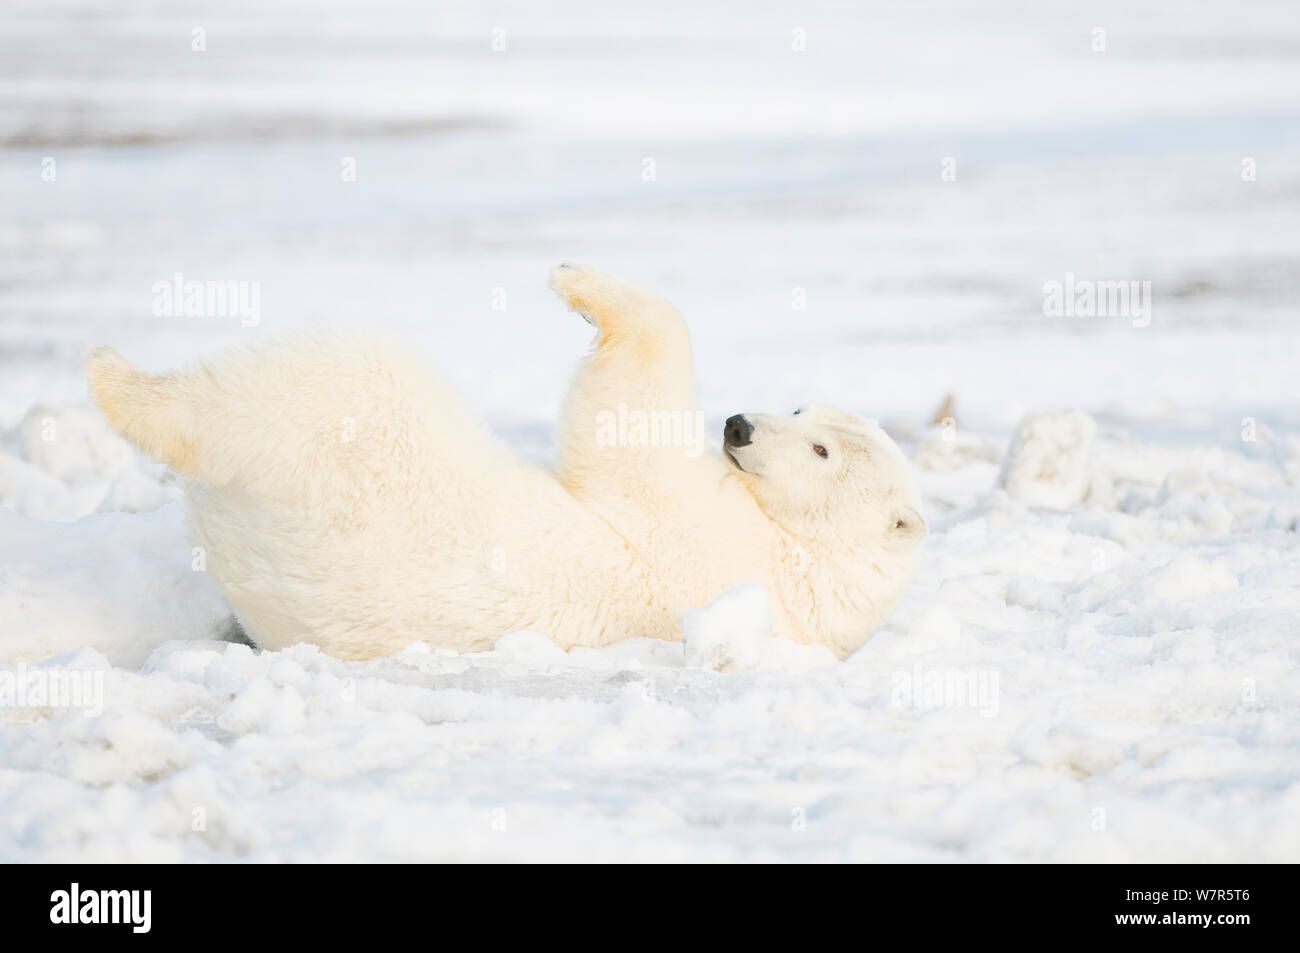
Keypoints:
(1100, 658)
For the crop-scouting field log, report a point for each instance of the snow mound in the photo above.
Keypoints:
(731, 633)
(69, 463)
(73, 442)
(1050, 460)
(118, 583)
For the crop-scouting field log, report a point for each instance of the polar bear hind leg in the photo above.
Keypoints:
(154, 412)
(342, 421)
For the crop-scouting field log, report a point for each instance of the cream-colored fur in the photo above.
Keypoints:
(343, 497)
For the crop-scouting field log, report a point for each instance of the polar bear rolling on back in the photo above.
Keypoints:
(346, 499)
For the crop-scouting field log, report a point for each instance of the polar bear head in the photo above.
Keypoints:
(822, 470)
(838, 486)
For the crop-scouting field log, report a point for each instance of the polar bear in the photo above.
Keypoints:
(345, 498)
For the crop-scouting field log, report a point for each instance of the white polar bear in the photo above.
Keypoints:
(344, 497)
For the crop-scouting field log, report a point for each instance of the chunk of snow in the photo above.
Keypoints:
(1050, 460)
(72, 443)
(116, 582)
(731, 633)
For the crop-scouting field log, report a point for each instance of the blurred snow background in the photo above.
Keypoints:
(1141, 612)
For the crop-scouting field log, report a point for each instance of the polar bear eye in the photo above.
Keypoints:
(798, 411)
(820, 451)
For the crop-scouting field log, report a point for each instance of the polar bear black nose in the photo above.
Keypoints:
(737, 431)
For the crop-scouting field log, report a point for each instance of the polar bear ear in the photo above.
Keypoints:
(906, 526)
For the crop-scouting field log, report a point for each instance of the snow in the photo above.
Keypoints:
(1100, 657)
(731, 633)
(1050, 460)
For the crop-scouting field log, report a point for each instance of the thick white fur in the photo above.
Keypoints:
(343, 497)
